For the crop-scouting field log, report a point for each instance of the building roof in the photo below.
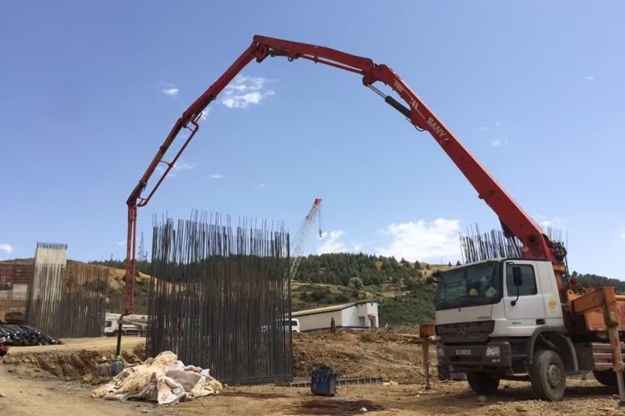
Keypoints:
(333, 308)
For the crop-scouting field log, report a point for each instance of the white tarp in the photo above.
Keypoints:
(163, 379)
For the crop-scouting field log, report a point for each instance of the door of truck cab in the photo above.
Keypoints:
(529, 310)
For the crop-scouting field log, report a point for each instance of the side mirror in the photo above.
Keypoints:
(516, 276)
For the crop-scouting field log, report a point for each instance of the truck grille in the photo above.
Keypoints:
(465, 332)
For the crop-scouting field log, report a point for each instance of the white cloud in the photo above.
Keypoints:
(217, 176)
(491, 131)
(121, 243)
(590, 77)
(333, 243)
(553, 222)
(7, 248)
(424, 241)
(171, 91)
(623, 235)
(184, 166)
(244, 91)
(176, 168)
(204, 114)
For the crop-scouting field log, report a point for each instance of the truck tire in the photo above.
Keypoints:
(548, 375)
(606, 377)
(483, 383)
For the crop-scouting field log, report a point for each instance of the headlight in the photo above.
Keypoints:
(440, 353)
(493, 351)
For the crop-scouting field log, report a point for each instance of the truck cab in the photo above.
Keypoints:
(493, 320)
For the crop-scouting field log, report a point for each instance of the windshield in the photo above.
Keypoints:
(469, 286)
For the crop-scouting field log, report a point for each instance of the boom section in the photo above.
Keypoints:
(516, 222)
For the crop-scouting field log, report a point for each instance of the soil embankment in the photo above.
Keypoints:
(29, 387)
(396, 357)
(76, 358)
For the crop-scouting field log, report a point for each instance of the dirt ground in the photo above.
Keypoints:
(77, 344)
(26, 388)
(392, 356)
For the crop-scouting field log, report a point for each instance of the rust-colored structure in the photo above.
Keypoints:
(14, 279)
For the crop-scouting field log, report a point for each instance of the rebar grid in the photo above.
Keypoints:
(476, 246)
(68, 301)
(219, 297)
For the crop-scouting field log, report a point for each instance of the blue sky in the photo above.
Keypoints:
(534, 89)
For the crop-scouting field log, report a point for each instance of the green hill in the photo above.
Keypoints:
(404, 297)
(330, 279)
(594, 281)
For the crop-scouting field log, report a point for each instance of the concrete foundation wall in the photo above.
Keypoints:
(49, 259)
(51, 254)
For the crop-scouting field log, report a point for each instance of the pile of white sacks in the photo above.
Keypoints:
(163, 379)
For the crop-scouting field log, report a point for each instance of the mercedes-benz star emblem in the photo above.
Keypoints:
(461, 331)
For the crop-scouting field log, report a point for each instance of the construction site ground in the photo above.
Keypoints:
(58, 380)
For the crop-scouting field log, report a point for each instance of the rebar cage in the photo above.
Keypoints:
(220, 297)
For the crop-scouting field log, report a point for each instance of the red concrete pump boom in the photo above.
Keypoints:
(515, 221)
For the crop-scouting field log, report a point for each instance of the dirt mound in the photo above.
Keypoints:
(67, 362)
(353, 353)
(115, 275)
(363, 353)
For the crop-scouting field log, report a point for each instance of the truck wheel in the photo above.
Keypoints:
(548, 375)
(606, 377)
(483, 383)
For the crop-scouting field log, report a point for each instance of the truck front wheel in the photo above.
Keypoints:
(548, 375)
(483, 383)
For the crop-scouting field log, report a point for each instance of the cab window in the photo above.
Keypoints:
(528, 288)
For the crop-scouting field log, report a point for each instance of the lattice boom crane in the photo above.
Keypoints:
(302, 236)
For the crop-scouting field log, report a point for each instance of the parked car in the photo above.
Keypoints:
(294, 324)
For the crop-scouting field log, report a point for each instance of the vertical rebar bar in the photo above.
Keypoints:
(476, 246)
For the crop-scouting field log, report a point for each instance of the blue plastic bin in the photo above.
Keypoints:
(323, 382)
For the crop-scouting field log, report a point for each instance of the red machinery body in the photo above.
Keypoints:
(515, 221)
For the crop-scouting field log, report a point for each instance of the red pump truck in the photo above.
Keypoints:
(535, 325)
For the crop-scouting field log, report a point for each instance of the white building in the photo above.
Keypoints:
(360, 314)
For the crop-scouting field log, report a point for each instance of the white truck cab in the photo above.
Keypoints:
(494, 318)
(486, 291)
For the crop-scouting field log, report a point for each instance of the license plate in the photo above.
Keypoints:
(463, 352)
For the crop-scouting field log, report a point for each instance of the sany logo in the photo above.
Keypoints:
(436, 128)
